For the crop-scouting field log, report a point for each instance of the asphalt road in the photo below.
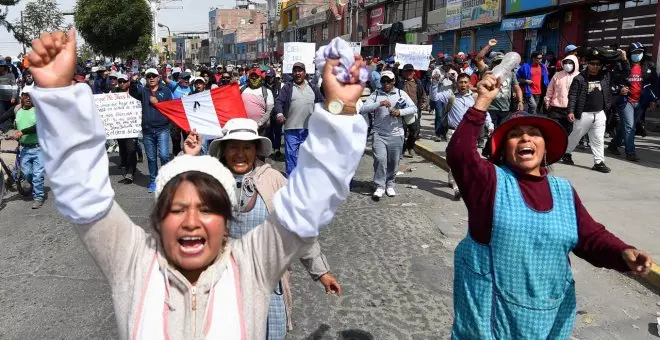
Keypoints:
(393, 259)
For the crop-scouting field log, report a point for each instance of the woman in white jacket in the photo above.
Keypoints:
(188, 281)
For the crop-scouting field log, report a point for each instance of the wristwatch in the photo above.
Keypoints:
(337, 107)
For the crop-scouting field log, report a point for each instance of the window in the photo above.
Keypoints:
(437, 4)
(312, 33)
(413, 9)
(638, 3)
(325, 31)
(302, 34)
(395, 12)
(289, 16)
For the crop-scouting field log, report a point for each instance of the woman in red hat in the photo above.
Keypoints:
(512, 277)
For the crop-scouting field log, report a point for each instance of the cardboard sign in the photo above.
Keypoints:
(417, 55)
(357, 47)
(295, 52)
(121, 115)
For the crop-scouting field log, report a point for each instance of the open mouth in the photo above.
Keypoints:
(192, 245)
(526, 152)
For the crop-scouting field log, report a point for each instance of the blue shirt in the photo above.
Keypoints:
(375, 80)
(178, 91)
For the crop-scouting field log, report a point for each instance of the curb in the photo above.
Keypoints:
(654, 275)
(431, 156)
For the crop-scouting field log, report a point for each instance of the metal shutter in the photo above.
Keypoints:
(485, 33)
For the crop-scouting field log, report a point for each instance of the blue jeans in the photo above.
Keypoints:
(156, 144)
(387, 153)
(32, 166)
(630, 114)
(439, 112)
(292, 140)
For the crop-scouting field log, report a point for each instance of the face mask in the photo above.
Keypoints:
(569, 67)
(225, 81)
(255, 82)
(635, 58)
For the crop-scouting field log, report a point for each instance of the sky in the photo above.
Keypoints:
(193, 17)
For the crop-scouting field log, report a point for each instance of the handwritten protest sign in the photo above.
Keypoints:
(357, 47)
(417, 55)
(121, 115)
(295, 52)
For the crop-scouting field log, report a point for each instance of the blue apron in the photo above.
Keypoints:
(520, 285)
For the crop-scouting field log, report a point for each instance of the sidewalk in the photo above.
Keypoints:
(626, 200)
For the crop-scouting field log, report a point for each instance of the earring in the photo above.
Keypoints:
(545, 160)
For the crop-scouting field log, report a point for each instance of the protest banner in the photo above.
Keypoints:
(417, 55)
(357, 47)
(121, 115)
(295, 52)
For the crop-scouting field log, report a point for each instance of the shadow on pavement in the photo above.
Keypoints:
(349, 334)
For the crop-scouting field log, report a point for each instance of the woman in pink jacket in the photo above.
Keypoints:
(556, 97)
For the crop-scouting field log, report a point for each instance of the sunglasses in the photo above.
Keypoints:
(122, 81)
(226, 78)
(151, 76)
(386, 80)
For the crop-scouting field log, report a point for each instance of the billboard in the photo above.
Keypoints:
(453, 14)
(515, 6)
(479, 12)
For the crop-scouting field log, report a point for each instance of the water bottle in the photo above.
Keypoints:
(511, 60)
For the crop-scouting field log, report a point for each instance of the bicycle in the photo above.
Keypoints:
(14, 176)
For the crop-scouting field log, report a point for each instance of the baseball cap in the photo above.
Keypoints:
(184, 75)
(570, 48)
(388, 74)
(121, 76)
(195, 79)
(408, 67)
(255, 71)
(636, 46)
(151, 71)
(101, 69)
(270, 72)
(298, 64)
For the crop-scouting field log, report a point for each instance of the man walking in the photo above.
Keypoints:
(8, 87)
(32, 160)
(155, 126)
(293, 107)
(415, 90)
(532, 79)
(588, 99)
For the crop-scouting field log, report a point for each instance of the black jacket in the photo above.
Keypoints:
(577, 95)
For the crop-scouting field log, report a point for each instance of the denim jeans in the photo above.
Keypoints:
(292, 140)
(387, 153)
(156, 144)
(530, 104)
(440, 130)
(32, 166)
(629, 115)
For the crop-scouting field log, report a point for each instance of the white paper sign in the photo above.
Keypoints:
(357, 47)
(417, 55)
(121, 115)
(296, 52)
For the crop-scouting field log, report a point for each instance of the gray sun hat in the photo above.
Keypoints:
(244, 129)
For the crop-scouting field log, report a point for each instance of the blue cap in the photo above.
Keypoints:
(270, 72)
(636, 46)
(570, 48)
(3, 62)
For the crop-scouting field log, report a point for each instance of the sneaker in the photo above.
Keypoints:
(140, 159)
(408, 154)
(128, 179)
(378, 193)
(152, 187)
(601, 167)
(567, 159)
(437, 139)
(390, 192)
(37, 204)
(457, 194)
(613, 150)
(632, 157)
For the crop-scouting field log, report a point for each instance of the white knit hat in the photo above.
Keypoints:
(206, 164)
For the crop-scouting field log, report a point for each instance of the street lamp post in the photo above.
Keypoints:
(169, 38)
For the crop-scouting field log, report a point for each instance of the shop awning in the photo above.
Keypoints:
(523, 23)
(375, 39)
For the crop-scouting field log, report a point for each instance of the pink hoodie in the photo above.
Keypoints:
(557, 93)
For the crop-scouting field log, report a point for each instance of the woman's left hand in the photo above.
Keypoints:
(330, 284)
(638, 261)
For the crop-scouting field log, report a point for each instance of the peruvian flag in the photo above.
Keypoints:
(207, 111)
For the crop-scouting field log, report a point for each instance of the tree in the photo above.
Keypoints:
(38, 16)
(114, 27)
(3, 14)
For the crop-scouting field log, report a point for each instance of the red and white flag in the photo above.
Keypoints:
(207, 112)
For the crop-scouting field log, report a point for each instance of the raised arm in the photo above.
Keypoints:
(479, 59)
(72, 138)
(301, 208)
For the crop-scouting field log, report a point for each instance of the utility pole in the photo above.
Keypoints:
(23, 32)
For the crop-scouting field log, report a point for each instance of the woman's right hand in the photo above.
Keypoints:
(53, 59)
(487, 90)
(193, 144)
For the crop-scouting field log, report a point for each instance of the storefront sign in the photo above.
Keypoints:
(295, 52)
(479, 12)
(357, 47)
(376, 18)
(515, 6)
(453, 14)
(523, 23)
(417, 55)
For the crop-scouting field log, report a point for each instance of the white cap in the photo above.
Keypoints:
(27, 89)
(151, 71)
(121, 76)
(176, 70)
(388, 74)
